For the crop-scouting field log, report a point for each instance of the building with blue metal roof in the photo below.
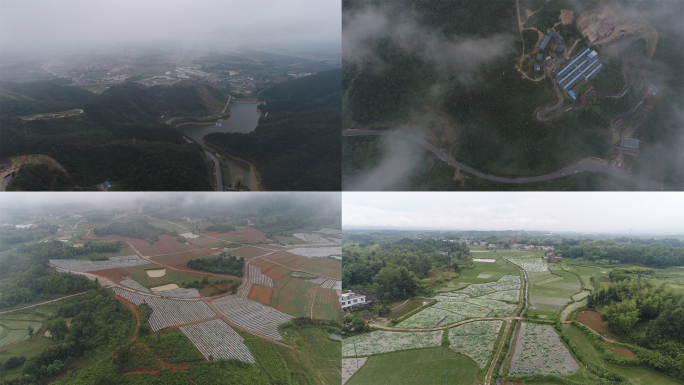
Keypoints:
(544, 41)
(553, 34)
(655, 91)
(540, 56)
(572, 94)
(559, 48)
(558, 40)
(537, 67)
(108, 184)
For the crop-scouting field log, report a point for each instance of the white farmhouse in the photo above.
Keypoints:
(350, 299)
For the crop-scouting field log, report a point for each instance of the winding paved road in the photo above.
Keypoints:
(566, 171)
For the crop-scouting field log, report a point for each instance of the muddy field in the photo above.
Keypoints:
(229, 236)
(593, 320)
(252, 235)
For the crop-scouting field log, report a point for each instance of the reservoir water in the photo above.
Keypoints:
(244, 118)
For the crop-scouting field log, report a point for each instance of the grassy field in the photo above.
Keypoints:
(293, 296)
(494, 270)
(637, 376)
(411, 306)
(317, 359)
(420, 366)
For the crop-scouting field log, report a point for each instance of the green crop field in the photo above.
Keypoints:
(421, 366)
(552, 290)
(411, 306)
(638, 376)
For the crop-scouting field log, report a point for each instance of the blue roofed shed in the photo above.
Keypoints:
(572, 94)
(540, 56)
(108, 184)
(630, 143)
(537, 67)
(559, 48)
(553, 34)
(558, 40)
(655, 91)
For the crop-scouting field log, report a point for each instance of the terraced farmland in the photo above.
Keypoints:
(252, 316)
(216, 339)
(169, 312)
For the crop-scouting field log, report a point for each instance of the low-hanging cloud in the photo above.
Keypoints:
(459, 55)
(400, 160)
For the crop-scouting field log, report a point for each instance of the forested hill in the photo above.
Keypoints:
(118, 138)
(297, 146)
(20, 99)
(133, 103)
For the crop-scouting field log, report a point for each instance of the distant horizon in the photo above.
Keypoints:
(633, 234)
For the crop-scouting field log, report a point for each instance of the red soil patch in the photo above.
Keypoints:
(168, 244)
(274, 271)
(592, 319)
(252, 235)
(261, 294)
(229, 236)
(114, 273)
(287, 259)
(183, 257)
(249, 252)
(623, 352)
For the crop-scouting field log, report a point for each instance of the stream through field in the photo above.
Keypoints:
(243, 119)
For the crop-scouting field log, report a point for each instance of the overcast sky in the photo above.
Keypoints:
(645, 213)
(41, 23)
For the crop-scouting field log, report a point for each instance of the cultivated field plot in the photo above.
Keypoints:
(166, 287)
(261, 294)
(499, 309)
(216, 339)
(230, 236)
(190, 235)
(206, 242)
(183, 257)
(450, 296)
(325, 267)
(244, 290)
(316, 252)
(475, 339)
(169, 312)
(323, 282)
(168, 244)
(311, 238)
(85, 266)
(538, 349)
(350, 366)
(326, 230)
(507, 282)
(485, 260)
(249, 252)
(528, 262)
(255, 276)
(551, 292)
(477, 289)
(507, 296)
(252, 316)
(180, 293)
(381, 341)
(293, 296)
(326, 305)
(134, 285)
(251, 235)
(465, 309)
(429, 318)
(270, 269)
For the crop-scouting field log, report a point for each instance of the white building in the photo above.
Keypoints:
(350, 299)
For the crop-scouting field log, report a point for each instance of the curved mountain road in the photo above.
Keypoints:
(566, 171)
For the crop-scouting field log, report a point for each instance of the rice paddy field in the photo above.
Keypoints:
(409, 307)
(482, 273)
(423, 366)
